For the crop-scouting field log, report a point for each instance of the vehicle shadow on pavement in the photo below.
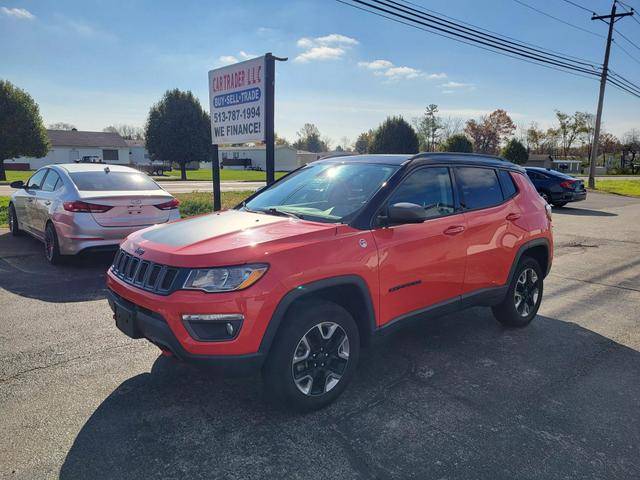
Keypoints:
(24, 271)
(457, 397)
(584, 212)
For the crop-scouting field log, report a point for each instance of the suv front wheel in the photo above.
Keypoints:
(313, 357)
(523, 297)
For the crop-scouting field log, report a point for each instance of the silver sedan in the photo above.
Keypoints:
(75, 207)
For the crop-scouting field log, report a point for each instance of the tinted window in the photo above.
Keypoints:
(36, 179)
(506, 182)
(49, 184)
(479, 186)
(326, 191)
(102, 181)
(535, 175)
(428, 187)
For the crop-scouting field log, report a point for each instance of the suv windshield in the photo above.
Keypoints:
(326, 192)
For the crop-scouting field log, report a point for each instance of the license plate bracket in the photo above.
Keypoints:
(126, 321)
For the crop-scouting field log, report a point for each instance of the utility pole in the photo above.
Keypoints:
(611, 19)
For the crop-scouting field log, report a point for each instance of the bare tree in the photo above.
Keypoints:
(129, 132)
(450, 126)
(61, 126)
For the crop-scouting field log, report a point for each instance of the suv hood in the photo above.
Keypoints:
(226, 238)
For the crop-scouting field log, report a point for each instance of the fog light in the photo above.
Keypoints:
(213, 327)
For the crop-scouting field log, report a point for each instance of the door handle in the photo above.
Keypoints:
(513, 216)
(454, 230)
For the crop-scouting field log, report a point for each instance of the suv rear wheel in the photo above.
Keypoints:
(313, 357)
(523, 298)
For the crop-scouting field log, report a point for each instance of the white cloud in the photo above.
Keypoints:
(227, 59)
(19, 13)
(329, 47)
(376, 64)
(457, 85)
(386, 68)
(230, 59)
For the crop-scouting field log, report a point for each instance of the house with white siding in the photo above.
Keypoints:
(69, 146)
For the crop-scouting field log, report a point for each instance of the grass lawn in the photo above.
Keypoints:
(629, 188)
(190, 203)
(13, 175)
(225, 175)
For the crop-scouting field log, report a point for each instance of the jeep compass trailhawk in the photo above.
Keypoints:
(304, 273)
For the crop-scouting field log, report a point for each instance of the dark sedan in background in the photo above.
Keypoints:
(555, 187)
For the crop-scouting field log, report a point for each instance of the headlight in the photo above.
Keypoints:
(225, 279)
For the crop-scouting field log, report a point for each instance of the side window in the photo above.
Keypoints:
(428, 187)
(36, 179)
(506, 182)
(479, 187)
(49, 184)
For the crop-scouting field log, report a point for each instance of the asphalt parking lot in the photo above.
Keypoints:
(458, 397)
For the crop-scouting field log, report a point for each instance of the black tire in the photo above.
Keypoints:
(559, 204)
(310, 321)
(13, 221)
(513, 313)
(51, 245)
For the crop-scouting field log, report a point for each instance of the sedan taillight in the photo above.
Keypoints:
(567, 183)
(85, 207)
(170, 205)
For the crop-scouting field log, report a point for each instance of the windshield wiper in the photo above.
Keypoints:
(282, 213)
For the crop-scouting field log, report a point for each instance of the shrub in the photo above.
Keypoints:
(458, 143)
(515, 152)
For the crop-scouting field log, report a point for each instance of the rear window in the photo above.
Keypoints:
(480, 187)
(506, 182)
(103, 181)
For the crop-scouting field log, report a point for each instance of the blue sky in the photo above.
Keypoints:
(95, 63)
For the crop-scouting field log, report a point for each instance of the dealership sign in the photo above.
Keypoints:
(237, 102)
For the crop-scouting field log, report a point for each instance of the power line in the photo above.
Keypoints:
(425, 9)
(579, 6)
(558, 19)
(433, 22)
(625, 51)
(629, 8)
(626, 38)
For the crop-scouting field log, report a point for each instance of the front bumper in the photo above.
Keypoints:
(143, 323)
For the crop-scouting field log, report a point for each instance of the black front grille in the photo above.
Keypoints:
(150, 276)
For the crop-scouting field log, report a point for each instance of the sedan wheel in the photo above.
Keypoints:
(51, 247)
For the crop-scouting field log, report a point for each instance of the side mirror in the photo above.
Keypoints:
(17, 184)
(405, 212)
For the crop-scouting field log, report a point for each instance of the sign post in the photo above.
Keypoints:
(241, 104)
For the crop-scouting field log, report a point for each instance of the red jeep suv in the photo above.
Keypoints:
(304, 273)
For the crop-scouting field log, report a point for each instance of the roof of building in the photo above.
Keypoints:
(76, 138)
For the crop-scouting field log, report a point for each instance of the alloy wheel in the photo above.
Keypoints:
(320, 359)
(526, 292)
(12, 220)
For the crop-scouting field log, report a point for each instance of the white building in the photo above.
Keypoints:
(72, 145)
(287, 158)
(138, 154)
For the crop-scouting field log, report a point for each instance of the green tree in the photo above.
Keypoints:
(428, 128)
(178, 130)
(394, 135)
(457, 143)
(22, 132)
(363, 142)
(515, 152)
(570, 127)
(309, 139)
